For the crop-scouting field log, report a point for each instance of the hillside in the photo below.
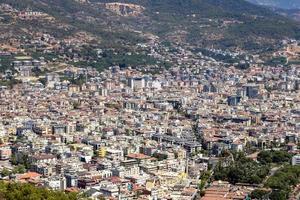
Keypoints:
(287, 8)
(214, 22)
(285, 4)
(224, 24)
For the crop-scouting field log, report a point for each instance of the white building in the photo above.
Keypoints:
(136, 83)
(58, 183)
(296, 160)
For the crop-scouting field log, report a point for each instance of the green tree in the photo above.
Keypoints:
(279, 195)
(242, 170)
(266, 157)
(18, 191)
(283, 180)
(5, 172)
(19, 169)
(259, 194)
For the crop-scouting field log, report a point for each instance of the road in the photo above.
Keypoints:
(272, 172)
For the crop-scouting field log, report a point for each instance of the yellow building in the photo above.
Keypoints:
(102, 152)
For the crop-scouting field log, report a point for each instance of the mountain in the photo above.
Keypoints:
(224, 23)
(287, 8)
(291, 13)
(285, 4)
(116, 23)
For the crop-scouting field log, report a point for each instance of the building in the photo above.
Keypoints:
(296, 160)
(5, 153)
(42, 158)
(136, 83)
(233, 100)
(56, 183)
(71, 180)
(252, 91)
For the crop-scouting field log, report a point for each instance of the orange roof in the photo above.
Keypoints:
(72, 189)
(138, 156)
(115, 179)
(137, 187)
(214, 198)
(30, 175)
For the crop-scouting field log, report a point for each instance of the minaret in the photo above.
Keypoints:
(119, 190)
(187, 166)
(86, 76)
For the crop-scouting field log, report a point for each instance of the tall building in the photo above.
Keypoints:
(136, 83)
(252, 91)
(233, 100)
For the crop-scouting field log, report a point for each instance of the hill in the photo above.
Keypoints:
(111, 23)
(220, 23)
(291, 13)
(285, 4)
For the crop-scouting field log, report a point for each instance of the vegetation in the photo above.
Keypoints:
(258, 22)
(78, 81)
(160, 156)
(266, 157)
(203, 181)
(219, 57)
(243, 170)
(259, 194)
(17, 170)
(38, 72)
(282, 181)
(277, 61)
(286, 4)
(46, 56)
(65, 11)
(10, 82)
(18, 191)
(123, 60)
(43, 81)
(21, 161)
(5, 63)
(164, 18)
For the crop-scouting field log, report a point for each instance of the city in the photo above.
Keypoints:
(183, 123)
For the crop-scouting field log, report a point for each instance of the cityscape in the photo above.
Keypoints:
(156, 120)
